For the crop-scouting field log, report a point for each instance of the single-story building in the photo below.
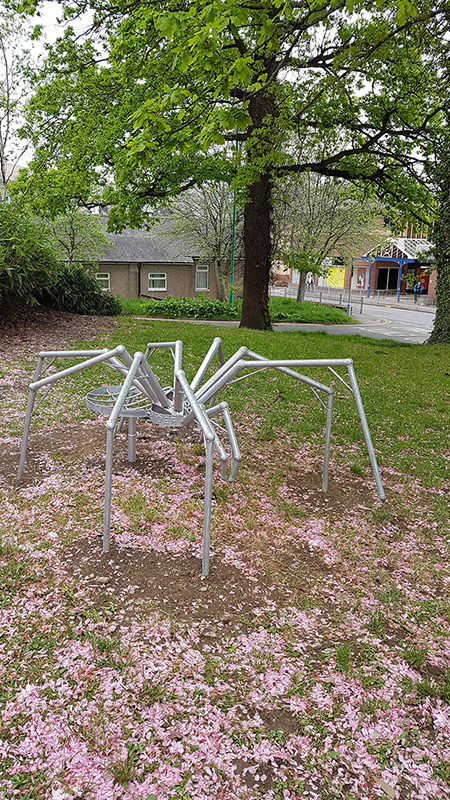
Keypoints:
(137, 264)
(382, 270)
(385, 267)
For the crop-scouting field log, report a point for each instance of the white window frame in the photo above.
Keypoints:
(157, 276)
(201, 269)
(101, 277)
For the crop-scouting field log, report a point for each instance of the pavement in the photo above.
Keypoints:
(399, 324)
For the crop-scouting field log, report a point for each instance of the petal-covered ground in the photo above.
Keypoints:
(313, 662)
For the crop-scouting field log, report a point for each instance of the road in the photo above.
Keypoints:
(377, 322)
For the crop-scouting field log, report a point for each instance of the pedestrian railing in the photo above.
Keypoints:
(355, 298)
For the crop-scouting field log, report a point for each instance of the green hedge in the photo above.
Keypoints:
(75, 291)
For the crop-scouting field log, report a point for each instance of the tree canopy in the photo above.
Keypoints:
(155, 98)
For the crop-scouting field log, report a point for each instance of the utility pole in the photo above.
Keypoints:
(233, 247)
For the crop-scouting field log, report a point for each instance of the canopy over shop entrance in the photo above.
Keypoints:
(392, 256)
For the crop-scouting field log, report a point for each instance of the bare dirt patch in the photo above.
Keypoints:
(81, 447)
(172, 583)
(41, 328)
(340, 496)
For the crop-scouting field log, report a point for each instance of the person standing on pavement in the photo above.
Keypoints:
(418, 288)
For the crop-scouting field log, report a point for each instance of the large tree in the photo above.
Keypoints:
(154, 102)
(441, 238)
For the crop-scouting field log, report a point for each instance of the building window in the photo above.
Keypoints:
(157, 281)
(201, 277)
(104, 279)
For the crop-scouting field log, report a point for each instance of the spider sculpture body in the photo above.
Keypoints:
(140, 394)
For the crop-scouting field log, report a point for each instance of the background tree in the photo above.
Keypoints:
(202, 218)
(318, 218)
(78, 237)
(15, 82)
(154, 108)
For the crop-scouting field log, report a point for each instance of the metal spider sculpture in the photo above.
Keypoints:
(182, 404)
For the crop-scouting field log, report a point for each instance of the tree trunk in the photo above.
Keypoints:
(258, 213)
(257, 256)
(220, 280)
(441, 330)
(301, 287)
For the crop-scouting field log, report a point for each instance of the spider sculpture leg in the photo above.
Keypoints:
(223, 408)
(227, 374)
(211, 440)
(354, 389)
(315, 388)
(111, 427)
(93, 357)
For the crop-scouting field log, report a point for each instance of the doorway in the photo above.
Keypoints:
(387, 279)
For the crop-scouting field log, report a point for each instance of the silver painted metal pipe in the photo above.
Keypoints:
(132, 439)
(366, 432)
(178, 364)
(204, 390)
(294, 362)
(224, 409)
(160, 345)
(223, 457)
(108, 488)
(235, 451)
(91, 362)
(122, 396)
(154, 383)
(28, 415)
(204, 394)
(71, 353)
(303, 378)
(207, 508)
(326, 457)
(215, 347)
(143, 383)
(203, 421)
(110, 432)
(26, 431)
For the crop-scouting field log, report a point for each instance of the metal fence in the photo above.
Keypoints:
(355, 299)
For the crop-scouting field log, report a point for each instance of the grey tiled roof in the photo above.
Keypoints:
(141, 246)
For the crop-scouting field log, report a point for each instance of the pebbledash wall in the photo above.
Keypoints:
(157, 280)
(138, 265)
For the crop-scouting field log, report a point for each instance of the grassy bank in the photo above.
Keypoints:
(314, 660)
(282, 309)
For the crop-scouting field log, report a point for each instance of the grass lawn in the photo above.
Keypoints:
(314, 661)
(282, 309)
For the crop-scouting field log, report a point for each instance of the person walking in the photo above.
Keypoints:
(418, 289)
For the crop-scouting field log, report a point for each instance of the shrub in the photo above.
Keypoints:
(27, 259)
(199, 307)
(73, 290)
